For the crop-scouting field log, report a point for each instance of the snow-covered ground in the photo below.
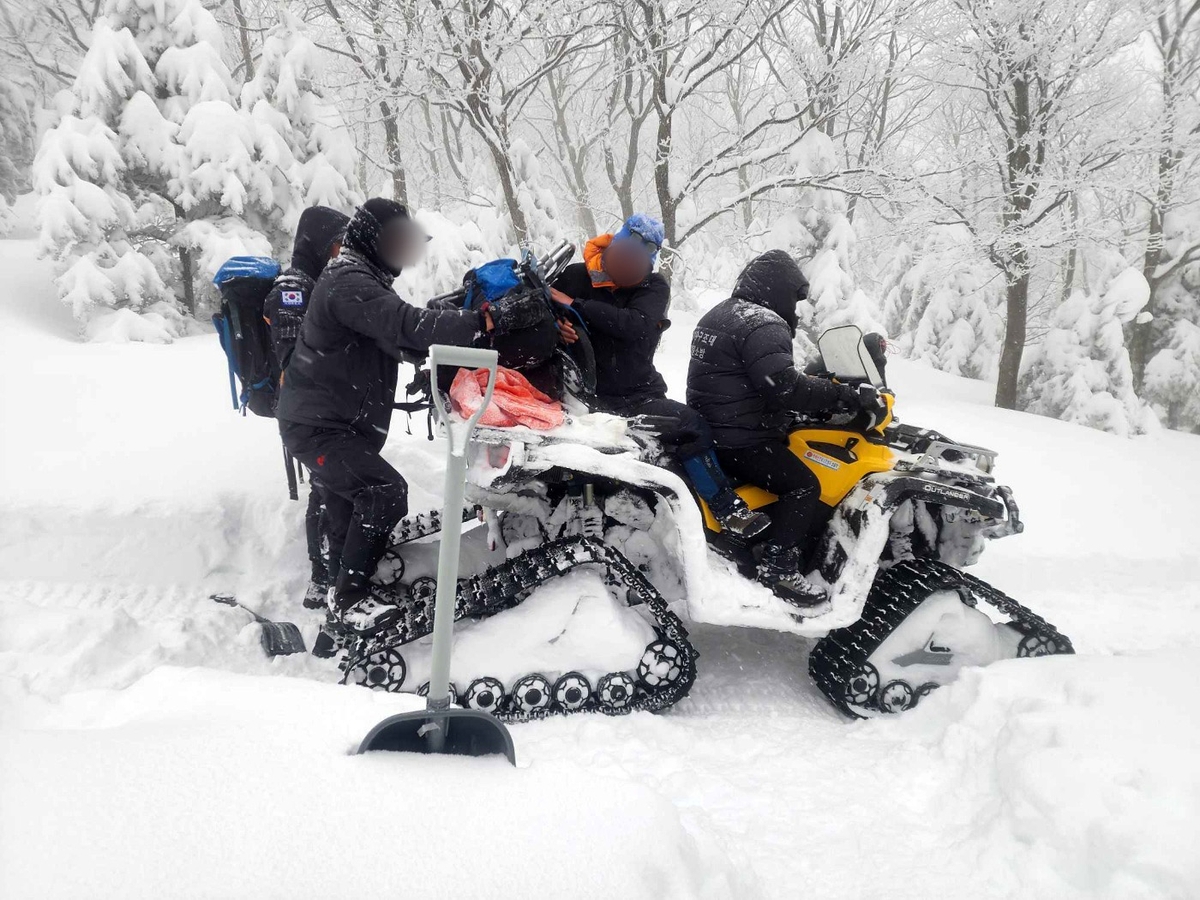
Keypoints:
(147, 749)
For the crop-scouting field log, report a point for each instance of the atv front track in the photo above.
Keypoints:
(839, 662)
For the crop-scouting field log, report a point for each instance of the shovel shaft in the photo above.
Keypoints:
(447, 584)
(455, 487)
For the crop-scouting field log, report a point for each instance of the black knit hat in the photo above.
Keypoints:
(362, 234)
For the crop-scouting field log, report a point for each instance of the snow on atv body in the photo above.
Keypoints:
(906, 508)
(893, 494)
(563, 622)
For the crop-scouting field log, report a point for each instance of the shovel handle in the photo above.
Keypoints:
(467, 357)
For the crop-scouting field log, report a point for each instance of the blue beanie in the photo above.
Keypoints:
(645, 227)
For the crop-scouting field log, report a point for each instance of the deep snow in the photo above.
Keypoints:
(149, 750)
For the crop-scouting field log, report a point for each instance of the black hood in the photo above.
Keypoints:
(318, 229)
(773, 281)
(362, 234)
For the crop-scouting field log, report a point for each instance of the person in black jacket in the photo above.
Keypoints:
(744, 380)
(623, 302)
(318, 240)
(335, 403)
(319, 236)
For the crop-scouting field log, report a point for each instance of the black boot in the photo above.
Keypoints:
(363, 607)
(711, 483)
(779, 569)
(317, 594)
(735, 516)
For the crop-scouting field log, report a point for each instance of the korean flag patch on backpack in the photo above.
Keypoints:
(292, 298)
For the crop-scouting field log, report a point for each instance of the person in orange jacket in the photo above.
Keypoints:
(624, 302)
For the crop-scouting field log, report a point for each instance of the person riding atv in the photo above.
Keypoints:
(744, 381)
(623, 302)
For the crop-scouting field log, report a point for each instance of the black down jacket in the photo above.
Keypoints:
(625, 325)
(344, 369)
(743, 377)
(285, 306)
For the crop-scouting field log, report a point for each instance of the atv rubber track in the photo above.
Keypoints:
(424, 524)
(507, 585)
(842, 656)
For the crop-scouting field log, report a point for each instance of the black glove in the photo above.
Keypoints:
(515, 313)
(872, 403)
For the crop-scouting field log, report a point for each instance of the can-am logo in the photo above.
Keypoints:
(822, 460)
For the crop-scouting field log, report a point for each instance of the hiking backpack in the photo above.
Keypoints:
(244, 283)
(499, 281)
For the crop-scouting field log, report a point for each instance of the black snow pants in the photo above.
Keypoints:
(315, 527)
(774, 467)
(364, 497)
(692, 437)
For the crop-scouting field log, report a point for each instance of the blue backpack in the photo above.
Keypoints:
(244, 283)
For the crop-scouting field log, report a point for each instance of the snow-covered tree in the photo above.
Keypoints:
(302, 142)
(1081, 371)
(147, 143)
(155, 174)
(899, 299)
(817, 231)
(1040, 97)
(16, 147)
(941, 304)
(1172, 382)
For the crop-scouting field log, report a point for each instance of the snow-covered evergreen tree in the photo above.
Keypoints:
(941, 305)
(301, 139)
(146, 143)
(818, 232)
(16, 147)
(896, 290)
(1172, 382)
(1080, 372)
(155, 174)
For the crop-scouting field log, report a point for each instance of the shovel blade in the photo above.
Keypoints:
(467, 732)
(281, 638)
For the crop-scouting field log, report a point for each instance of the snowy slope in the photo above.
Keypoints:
(144, 752)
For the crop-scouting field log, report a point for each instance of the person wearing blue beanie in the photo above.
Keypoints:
(623, 303)
(645, 228)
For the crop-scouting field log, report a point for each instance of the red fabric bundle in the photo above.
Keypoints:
(514, 402)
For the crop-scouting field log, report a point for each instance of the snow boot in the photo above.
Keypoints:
(779, 569)
(735, 516)
(316, 596)
(365, 609)
(712, 484)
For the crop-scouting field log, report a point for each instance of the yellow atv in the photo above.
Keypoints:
(905, 510)
(597, 498)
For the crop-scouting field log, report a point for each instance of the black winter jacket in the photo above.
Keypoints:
(743, 377)
(625, 325)
(344, 370)
(284, 308)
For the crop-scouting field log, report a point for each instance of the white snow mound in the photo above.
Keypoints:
(198, 783)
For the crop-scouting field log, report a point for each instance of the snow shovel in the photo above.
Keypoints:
(440, 728)
(277, 638)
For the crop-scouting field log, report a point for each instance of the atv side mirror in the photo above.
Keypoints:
(846, 357)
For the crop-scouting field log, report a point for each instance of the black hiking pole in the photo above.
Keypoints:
(441, 728)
